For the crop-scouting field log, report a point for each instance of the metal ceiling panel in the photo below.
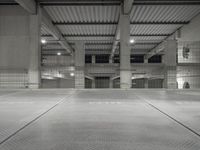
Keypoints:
(87, 29)
(88, 38)
(83, 13)
(164, 13)
(153, 29)
(44, 30)
(97, 46)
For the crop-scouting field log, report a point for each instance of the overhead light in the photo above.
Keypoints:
(59, 53)
(132, 78)
(132, 41)
(43, 41)
(71, 74)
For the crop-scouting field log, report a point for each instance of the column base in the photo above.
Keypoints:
(125, 79)
(34, 79)
(79, 79)
(170, 78)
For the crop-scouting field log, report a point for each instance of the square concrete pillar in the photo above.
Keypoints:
(111, 83)
(34, 70)
(125, 50)
(20, 47)
(93, 84)
(93, 59)
(146, 84)
(170, 61)
(79, 65)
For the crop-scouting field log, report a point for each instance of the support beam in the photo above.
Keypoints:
(155, 51)
(46, 21)
(29, 5)
(115, 23)
(109, 35)
(167, 2)
(126, 10)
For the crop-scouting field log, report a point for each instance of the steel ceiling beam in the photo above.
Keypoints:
(155, 50)
(126, 8)
(115, 23)
(108, 2)
(110, 35)
(166, 2)
(55, 32)
(28, 5)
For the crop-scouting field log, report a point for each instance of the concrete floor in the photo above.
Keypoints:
(99, 120)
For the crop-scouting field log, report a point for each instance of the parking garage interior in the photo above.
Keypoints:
(99, 74)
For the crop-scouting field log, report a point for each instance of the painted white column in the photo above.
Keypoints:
(125, 50)
(170, 62)
(34, 70)
(79, 65)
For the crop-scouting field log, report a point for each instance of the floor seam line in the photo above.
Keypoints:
(35, 119)
(172, 118)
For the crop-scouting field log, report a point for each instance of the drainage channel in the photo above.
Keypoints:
(35, 119)
(170, 117)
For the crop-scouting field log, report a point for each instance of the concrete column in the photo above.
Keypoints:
(93, 59)
(145, 60)
(93, 84)
(79, 65)
(110, 61)
(34, 70)
(125, 50)
(169, 60)
(146, 84)
(111, 83)
(20, 47)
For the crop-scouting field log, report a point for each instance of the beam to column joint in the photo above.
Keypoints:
(125, 10)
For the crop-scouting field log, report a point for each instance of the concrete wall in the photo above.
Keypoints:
(58, 60)
(188, 69)
(58, 83)
(190, 74)
(193, 54)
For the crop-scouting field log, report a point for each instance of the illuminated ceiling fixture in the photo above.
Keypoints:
(71, 74)
(59, 53)
(43, 41)
(132, 41)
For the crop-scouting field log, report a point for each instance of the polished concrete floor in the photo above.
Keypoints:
(99, 120)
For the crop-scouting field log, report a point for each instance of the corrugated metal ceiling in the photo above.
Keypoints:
(154, 29)
(143, 14)
(164, 13)
(87, 29)
(83, 13)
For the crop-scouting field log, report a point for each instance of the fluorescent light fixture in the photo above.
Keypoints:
(59, 53)
(43, 41)
(132, 41)
(71, 74)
